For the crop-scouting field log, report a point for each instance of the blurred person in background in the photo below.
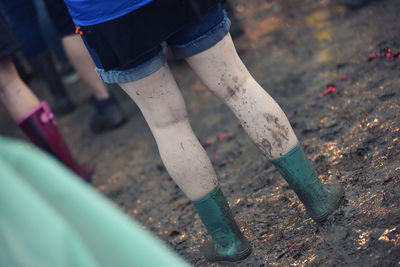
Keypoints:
(33, 117)
(22, 16)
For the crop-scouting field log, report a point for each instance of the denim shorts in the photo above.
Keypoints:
(188, 41)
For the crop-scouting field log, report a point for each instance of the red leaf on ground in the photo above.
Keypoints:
(330, 88)
(221, 137)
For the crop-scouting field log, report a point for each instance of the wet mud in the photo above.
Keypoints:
(351, 135)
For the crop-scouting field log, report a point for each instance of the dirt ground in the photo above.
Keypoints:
(351, 134)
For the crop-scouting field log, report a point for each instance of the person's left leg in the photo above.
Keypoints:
(226, 76)
(222, 71)
(209, 50)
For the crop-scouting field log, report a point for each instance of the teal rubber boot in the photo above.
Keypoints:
(320, 199)
(228, 242)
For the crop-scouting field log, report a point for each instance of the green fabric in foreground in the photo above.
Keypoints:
(49, 217)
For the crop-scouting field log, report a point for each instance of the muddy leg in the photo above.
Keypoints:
(225, 75)
(267, 125)
(163, 107)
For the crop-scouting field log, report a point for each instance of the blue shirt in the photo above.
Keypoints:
(90, 12)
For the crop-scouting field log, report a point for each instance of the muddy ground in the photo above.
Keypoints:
(352, 135)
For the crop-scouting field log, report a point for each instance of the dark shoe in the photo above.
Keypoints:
(228, 242)
(40, 126)
(319, 199)
(108, 115)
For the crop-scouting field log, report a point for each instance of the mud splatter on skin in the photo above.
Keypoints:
(266, 148)
(279, 134)
(232, 90)
(283, 131)
(277, 137)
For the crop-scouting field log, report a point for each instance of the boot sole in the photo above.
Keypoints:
(241, 256)
(325, 216)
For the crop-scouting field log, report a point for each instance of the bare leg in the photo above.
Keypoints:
(83, 63)
(163, 107)
(109, 115)
(225, 75)
(14, 93)
(19, 102)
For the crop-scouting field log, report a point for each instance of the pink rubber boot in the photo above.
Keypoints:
(40, 126)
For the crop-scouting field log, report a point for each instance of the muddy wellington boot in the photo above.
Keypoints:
(40, 126)
(319, 199)
(44, 66)
(227, 243)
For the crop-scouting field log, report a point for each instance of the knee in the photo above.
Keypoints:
(165, 119)
(170, 119)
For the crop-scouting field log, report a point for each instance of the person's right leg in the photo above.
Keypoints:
(163, 107)
(146, 78)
